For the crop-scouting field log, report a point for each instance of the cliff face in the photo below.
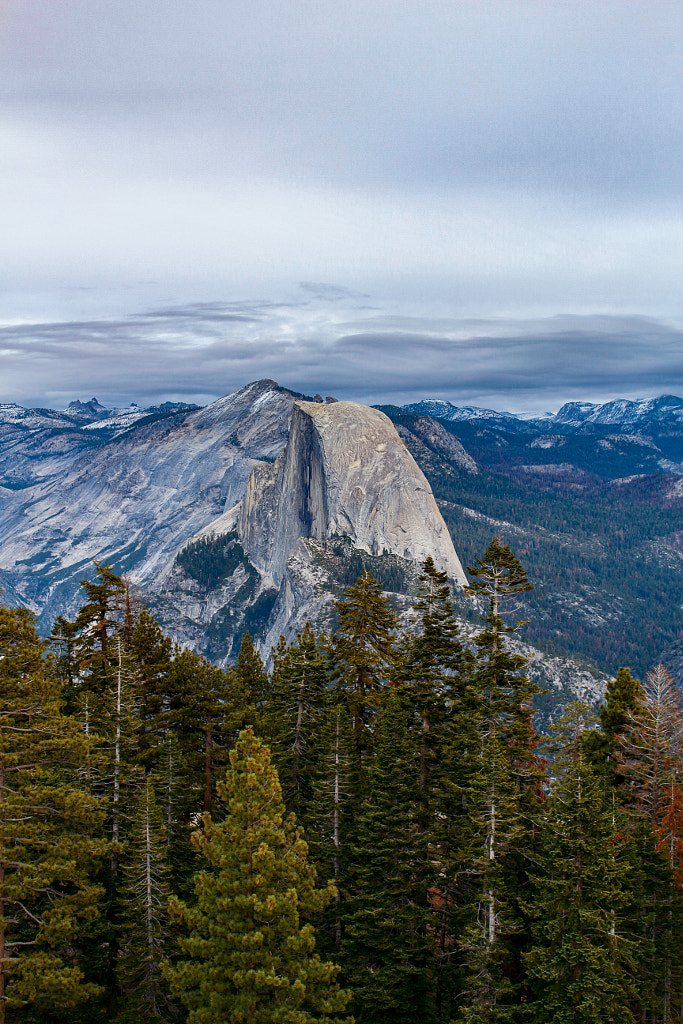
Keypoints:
(344, 471)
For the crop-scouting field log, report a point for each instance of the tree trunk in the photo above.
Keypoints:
(148, 879)
(117, 770)
(335, 835)
(208, 743)
(492, 857)
(87, 734)
(169, 797)
(423, 752)
(2, 913)
(297, 738)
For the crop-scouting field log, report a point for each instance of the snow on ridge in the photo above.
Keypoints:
(119, 419)
(618, 412)
(267, 396)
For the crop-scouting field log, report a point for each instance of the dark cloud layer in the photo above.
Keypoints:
(340, 347)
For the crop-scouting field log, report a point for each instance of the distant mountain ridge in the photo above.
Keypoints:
(85, 416)
(621, 415)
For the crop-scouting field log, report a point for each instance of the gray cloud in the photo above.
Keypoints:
(573, 95)
(481, 158)
(345, 348)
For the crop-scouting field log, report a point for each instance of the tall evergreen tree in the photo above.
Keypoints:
(199, 724)
(249, 957)
(363, 651)
(97, 619)
(386, 949)
(250, 679)
(151, 654)
(433, 665)
(328, 831)
(581, 961)
(144, 926)
(652, 920)
(501, 698)
(622, 699)
(649, 747)
(205, 705)
(494, 811)
(433, 673)
(293, 716)
(64, 645)
(649, 757)
(106, 704)
(504, 691)
(49, 828)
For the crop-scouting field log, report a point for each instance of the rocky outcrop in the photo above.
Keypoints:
(344, 471)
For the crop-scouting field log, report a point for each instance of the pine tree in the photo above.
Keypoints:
(151, 653)
(197, 724)
(249, 956)
(570, 733)
(648, 756)
(652, 920)
(96, 620)
(106, 704)
(363, 652)
(64, 644)
(293, 716)
(144, 925)
(433, 672)
(433, 665)
(500, 698)
(386, 949)
(648, 747)
(49, 828)
(496, 821)
(105, 691)
(328, 832)
(622, 699)
(249, 677)
(581, 961)
(205, 705)
(504, 692)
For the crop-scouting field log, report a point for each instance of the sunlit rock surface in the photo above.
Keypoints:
(345, 471)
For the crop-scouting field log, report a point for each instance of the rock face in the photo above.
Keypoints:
(426, 434)
(344, 472)
(129, 494)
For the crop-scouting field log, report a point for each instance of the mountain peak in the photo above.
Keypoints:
(92, 409)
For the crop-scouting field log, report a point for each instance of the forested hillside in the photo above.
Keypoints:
(372, 829)
(596, 521)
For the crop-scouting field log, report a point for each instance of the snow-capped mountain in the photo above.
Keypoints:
(448, 411)
(624, 415)
(621, 415)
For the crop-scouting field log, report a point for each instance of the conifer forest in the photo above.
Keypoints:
(370, 831)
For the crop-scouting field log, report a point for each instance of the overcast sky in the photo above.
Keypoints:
(486, 197)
